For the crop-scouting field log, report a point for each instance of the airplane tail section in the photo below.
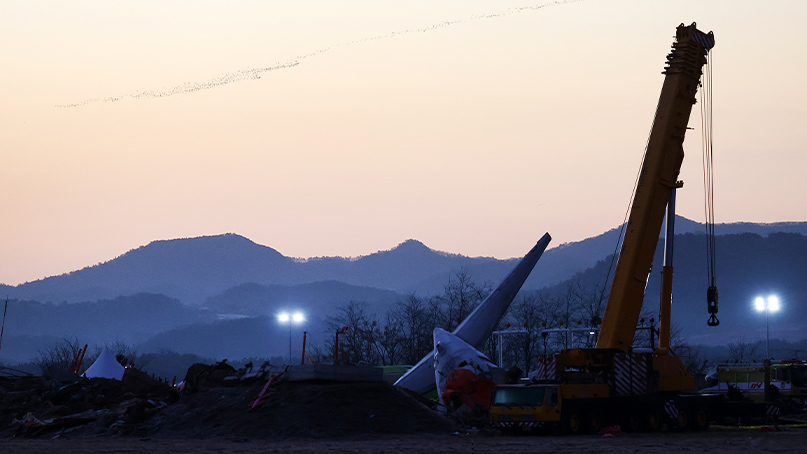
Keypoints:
(479, 325)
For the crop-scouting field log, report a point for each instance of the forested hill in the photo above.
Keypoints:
(748, 265)
(192, 270)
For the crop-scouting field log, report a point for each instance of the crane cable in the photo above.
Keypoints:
(708, 187)
(621, 235)
(3, 327)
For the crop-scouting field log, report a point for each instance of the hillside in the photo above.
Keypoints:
(748, 265)
(194, 269)
(240, 320)
(255, 299)
(31, 326)
(231, 280)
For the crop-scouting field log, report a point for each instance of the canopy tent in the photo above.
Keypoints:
(106, 366)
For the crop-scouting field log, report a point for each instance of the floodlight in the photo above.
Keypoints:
(773, 303)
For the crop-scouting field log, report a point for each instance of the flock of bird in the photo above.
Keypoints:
(255, 73)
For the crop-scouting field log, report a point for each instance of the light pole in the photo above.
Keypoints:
(770, 304)
(285, 317)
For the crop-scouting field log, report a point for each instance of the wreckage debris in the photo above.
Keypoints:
(213, 400)
(36, 406)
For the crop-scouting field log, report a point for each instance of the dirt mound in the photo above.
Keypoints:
(36, 406)
(311, 410)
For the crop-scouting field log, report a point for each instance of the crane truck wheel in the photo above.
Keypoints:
(651, 421)
(573, 424)
(594, 422)
(700, 418)
(682, 421)
(631, 422)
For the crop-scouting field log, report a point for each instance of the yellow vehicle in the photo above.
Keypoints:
(613, 383)
(789, 377)
(574, 403)
(535, 406)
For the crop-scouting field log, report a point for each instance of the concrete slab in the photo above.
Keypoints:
(334, 373)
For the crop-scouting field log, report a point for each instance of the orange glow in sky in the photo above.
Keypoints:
(346, 127)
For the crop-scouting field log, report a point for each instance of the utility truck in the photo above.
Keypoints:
(786, 382)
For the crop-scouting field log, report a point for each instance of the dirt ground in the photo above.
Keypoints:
(717, 440)
(309, 417)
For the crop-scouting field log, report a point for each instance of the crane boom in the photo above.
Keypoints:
(657, 179)
(585, 389)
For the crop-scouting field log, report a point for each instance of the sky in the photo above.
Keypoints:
(341, 128)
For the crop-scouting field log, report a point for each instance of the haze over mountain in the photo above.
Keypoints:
(31, 325)
(194, 269)
(195, 295)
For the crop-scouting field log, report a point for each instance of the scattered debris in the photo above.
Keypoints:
(266, 391)
(296, 410)
(217, 400)
(611, 432)
(34, 406)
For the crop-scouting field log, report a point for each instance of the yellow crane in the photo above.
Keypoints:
(584, 388)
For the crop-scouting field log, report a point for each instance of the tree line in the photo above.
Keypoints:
(538, 322)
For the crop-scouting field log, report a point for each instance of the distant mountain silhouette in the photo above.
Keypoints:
(320, 297)
(195, 269)
(226, 339)
(188, 269)
(231, 276)
(32, 326)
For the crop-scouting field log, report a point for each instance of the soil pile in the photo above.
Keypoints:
(215, 402)
(310, 410)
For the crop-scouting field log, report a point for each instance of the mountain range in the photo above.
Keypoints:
(170, 294)
(192, 270)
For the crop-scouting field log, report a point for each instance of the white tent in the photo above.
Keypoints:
(106, 366)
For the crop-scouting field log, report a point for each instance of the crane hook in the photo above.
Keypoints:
(711, 301)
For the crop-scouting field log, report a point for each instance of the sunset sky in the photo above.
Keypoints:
(324, 128)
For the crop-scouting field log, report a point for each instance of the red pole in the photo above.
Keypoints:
(81, 359)
(75, 363)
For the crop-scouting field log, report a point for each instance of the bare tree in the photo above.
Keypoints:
(695, 363)
(126, 354)
(319, 353)
(460, 297)
(741, 351)
(58, 359)
(557, 313)
(388, 341)
(413, 324)
(591, 308)
(359, 344)
(523, 348)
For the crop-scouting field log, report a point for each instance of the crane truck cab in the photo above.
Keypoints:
(584, 390)
(551, 406)
(525, 407)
